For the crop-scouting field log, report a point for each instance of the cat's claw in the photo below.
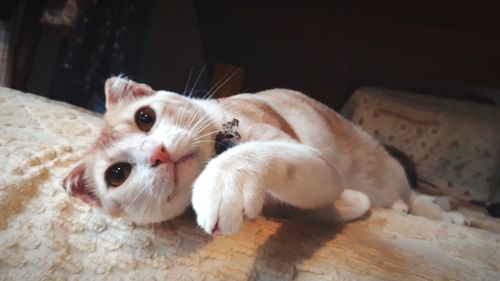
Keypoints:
(216, 230)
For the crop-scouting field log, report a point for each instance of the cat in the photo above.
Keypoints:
(155, 157)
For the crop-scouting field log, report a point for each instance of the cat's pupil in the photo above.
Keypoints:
(116, 174)
(145, 118)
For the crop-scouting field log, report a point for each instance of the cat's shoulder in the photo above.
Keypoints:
(270, 96)
(284, 102)
(287, 97)
(281, 92)
(290, 96)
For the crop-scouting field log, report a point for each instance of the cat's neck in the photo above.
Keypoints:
(257, 120)
(215, 110)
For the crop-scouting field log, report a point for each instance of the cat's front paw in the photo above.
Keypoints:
(224, 195)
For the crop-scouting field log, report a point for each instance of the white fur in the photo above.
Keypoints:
(437, 208)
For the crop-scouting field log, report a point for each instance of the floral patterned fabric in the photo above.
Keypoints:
(454, 144)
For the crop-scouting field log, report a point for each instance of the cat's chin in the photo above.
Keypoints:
(167, 214)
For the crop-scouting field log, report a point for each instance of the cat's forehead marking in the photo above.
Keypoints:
(107, 138)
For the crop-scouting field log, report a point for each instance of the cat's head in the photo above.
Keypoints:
(153, 146)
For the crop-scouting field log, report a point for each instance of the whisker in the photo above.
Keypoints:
(207, 134)
(193, 118)
(210, 95)
(201, 125)
(223, 107)
(146, 203)
(208, 141)
(137, 194)
(197, 80)
(216, 85)
(177, 115)
(189, 79)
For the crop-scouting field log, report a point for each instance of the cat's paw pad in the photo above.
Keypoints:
(222, 198)
(456, 218)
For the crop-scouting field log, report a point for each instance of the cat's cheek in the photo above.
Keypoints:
(112, 208)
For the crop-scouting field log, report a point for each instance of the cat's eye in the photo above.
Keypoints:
(145, 118)
(117, 173)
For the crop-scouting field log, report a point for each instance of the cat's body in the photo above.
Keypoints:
(292, 148)
(281, 115)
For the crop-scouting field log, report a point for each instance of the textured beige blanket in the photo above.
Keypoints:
(45, 235)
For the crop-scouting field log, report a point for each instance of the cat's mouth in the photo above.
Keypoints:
(170, 196)
(179, 163)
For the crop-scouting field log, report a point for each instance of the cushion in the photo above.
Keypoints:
(454, 144)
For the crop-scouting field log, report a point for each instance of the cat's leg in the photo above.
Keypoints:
(235, 183)
(437, 208)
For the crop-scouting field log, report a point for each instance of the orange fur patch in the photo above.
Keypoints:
(260, 112)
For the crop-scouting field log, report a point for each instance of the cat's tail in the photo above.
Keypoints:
(406, 162)
(433, 207)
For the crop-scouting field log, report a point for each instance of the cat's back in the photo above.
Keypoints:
(304, 119)
(311, 119)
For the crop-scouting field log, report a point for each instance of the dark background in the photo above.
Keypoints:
(325, 48)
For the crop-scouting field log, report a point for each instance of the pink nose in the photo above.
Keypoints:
(160, 155)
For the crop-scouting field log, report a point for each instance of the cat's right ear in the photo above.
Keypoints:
(120, 89)
(76, 184)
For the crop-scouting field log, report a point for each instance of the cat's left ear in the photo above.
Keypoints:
(75, 184)
(119, 89)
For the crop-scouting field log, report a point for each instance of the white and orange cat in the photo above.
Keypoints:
(155, 157)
